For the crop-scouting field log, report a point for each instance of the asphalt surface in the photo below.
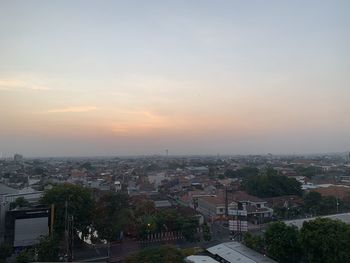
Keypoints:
(120, 251)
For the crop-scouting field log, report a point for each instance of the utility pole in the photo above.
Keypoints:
(69, 233)
(70, 237)
(226, 203)
(52, 218)
(66, 229)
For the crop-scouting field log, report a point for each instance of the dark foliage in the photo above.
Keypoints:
(271, 185)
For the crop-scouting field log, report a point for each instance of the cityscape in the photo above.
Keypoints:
(188, 131)
(195, 203)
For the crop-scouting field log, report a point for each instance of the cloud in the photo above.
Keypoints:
(15, 84)
(77, 109)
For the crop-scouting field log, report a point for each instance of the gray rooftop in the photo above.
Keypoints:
(162, 203)
(4, 190)
(237, 252)
(299, 222)
(200, 259)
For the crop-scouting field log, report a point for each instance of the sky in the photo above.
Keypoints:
(87, 78)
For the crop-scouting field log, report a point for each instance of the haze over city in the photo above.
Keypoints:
(195, 77)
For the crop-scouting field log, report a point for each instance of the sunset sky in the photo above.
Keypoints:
(86, 78)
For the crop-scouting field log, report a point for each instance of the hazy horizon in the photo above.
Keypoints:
(104, 78)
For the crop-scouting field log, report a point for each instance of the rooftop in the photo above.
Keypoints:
(7, 190)
(299, 222)
(237, 252)
(200, 259)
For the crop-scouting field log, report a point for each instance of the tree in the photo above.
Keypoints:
(312, 202)
(282, 243)
(206, 232)
(242, 173)
(112, 216)
(144, 207)
(19, 202)
(5, 252)
(325, 241)
(309, 171)
(271, 185)
(189, 229)
(162, 254)
(25, 256)
(254, 242)
(79, 202)
(315, 204)
(48, 249)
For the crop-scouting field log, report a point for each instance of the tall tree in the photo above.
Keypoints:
(79, 205)
(112, 216)
(312, 201)
(282, 243)
(271, 185)
(255, 242)
(162, 254)
(48, 249)
(325, 241)
(190, 229)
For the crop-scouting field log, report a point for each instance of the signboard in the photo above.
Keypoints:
(238, 225)
(234, 212)
(29, 230)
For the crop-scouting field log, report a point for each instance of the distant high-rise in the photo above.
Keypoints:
(18, 157)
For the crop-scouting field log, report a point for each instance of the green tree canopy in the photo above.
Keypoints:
(19, 202)
(5, 252)
(48, 249)
(79, 205)
(255, 242)
(271, 185)
(162, 254)
(325, 241)
(282, 243)
(242, 173)
(112, 215)
(25, 256)
(315, 204)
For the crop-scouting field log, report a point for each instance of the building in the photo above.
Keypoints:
(197, 170)
(232, 252)
(25, 226)
(18, 158)
(117, 186)
(9, 195)
(238, 203)
(213, 206)
(200, 259)
(299, 222)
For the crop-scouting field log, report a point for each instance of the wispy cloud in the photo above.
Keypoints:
(77, 109)
(15, 84)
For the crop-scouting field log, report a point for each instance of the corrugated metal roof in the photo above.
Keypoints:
(236, 252)
(200, 259)
(299, 222)
(7, 190)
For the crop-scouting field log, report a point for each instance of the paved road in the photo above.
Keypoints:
(119, 251)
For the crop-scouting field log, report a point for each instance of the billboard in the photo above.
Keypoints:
(238, 225)
(235, 212)
(29, 230)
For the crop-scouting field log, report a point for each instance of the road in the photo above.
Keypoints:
(119, 251)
